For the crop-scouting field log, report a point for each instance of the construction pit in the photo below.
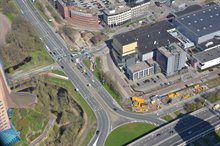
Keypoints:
(156, 102)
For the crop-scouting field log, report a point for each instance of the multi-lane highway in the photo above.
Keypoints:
(182, 130)
(58, 50)
(56, 46)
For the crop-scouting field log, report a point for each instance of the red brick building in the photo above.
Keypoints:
(81, 19)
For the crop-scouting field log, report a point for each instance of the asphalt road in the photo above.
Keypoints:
(181, 130)
(58, 50)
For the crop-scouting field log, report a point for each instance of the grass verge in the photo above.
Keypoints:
(104, 78)
(127, 133)
(168, 118)
(213, 83)
(59, 72)
(31, 123)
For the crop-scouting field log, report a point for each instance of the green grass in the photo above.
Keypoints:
(40, 58)
(168, 118)
(213, 83)
(112, 93)
(59, 72)
(30, 122)
(87, 63)
(79, 99)
(178, 113)
(10, 16)
(127, 133)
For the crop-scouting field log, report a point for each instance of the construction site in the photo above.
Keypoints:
(140, 104)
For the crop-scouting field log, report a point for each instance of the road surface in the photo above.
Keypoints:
(182, 130)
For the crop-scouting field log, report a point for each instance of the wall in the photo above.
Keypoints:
(208, 37)
(129, 48)
(210, 63)
(118, 19)
(146, 56)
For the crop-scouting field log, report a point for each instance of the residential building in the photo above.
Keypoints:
(8, 134)
(171, 59)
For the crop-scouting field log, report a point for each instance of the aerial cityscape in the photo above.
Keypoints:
(110, 72)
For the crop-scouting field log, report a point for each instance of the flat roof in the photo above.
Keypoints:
(116, 9)
(148, 37)
(208, 55)
(136, 3)
(209, 44)
(203, 21)
(138, 66)
(170, 50)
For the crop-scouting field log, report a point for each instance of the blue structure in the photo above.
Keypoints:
(10, 136)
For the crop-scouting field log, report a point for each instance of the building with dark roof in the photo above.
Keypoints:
(201, 25)
(147, 38)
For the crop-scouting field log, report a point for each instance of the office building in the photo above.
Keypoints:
(123, 13)
(171, 59)
(140, 70)
(117, 16)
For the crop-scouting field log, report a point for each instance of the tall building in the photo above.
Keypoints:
(8, 134)
(4, 120)
(171, 59)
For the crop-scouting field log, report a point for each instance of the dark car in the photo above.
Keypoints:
(158, 134)
(97, 132)
(62, 67)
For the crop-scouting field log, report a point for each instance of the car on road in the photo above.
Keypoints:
(171, 131)
(115, 109)
(62, 67)
(158, 134)
(97, 132)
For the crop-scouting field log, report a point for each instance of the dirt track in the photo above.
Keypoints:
(5, 27)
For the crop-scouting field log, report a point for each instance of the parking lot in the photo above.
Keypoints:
(93, 5)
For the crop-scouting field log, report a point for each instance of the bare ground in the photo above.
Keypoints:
(5, 27)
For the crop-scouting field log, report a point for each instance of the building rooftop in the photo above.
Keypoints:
(116, 10)
(148, 37)
(208, 55)
(203, 21)
(136, 3)
(171, 50)
(138, 66)
(209, 44)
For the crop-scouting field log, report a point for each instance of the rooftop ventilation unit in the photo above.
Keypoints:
(208, 44)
